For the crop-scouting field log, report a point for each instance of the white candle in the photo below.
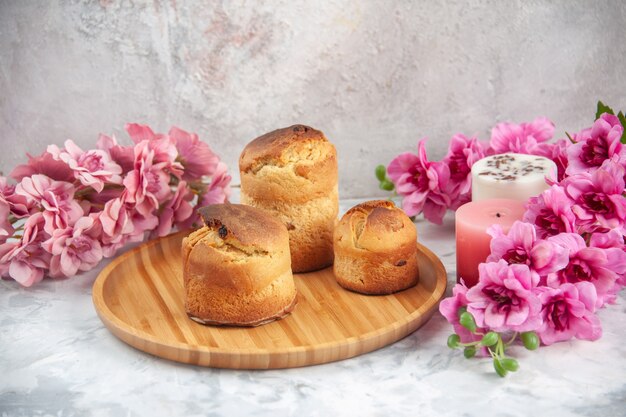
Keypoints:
(511, 175)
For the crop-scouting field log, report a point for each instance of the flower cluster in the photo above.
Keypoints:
(433, 187)
(71, 207)
(548, 276)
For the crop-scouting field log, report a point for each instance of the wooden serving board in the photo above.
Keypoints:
(140, 298)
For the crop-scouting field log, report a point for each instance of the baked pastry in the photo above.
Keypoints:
(376, 249)
(292, 172)
(237, 268)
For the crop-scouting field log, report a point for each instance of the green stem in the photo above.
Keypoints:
(512, 339)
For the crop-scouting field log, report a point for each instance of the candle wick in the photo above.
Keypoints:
(498, 215)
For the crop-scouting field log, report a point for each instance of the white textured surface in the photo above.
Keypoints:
(373, 75)
(58, 359)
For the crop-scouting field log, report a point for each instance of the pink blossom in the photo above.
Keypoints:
(76, 248)
(124, 156)
(462, 153)
(56, 198)
(147, 185)
(19, 205)
(557, 152)
(142, 224)
(24, 260)
(449, 308)
(218, 190)
(521, 246)
(568, 311)
(598, 199)
(195, 155)
(44, 164)
(176, 210)
(503, 299)
(594, 146)
(424, 184)
(92, 168)
(116, 221)
(551, 212)
(6, 228)
(612, 242)
(586, 264)
(162, 146)
(523, 138)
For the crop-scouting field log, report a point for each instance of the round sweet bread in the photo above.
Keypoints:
(292, 173)
(237, 268)
(375, 246)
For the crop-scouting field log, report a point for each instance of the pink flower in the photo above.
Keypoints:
(195, 155)
(557, 152)
(219, 190)
(92, 168)
(523, 138)
(586, 264)
(462, 153)
(449, 308)
(551, 212)
(44, 164)
(612, 242)
(147, 185)
(521, 246)
(6, 228)
(176, 210)
(568, 311)
(162, 146)
(503, 299)
(124, 156)
(56, 198)
(24, 260)
(594, 146)
(598, 199)
(116, 221)
(74, 248)
(424, 184)
(19, 205)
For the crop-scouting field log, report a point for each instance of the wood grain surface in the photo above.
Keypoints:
(139, 296)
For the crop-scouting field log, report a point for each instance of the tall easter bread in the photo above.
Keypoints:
(292, 173)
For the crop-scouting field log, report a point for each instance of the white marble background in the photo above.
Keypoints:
(375, 76)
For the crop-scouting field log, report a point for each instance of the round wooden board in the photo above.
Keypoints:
(140, 298)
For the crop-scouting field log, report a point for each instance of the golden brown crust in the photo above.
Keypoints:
(275, 147)
(294, 164)
(247, 225)
(212, 306)
(375, 246)
(237, 268)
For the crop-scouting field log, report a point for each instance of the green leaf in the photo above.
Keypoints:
(499, 368)
(381, 173)
(386, 185)
(603, 108)
(467, 320)
(490, 339)
(509, 364)
(453, 341)
(530, 340)
(622, 120)
(469, 352)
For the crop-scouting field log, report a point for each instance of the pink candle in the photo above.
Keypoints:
(472, 241)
